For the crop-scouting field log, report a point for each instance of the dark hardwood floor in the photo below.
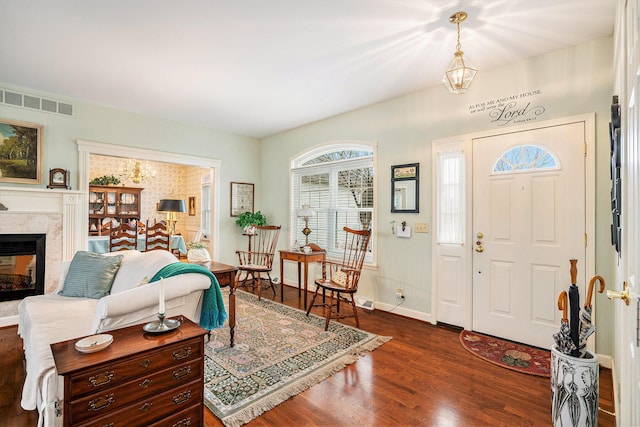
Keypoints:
(422, 377)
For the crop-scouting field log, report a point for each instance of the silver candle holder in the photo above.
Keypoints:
(161, 325)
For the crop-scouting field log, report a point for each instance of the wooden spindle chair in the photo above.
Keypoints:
(258, 259)
(341, 278)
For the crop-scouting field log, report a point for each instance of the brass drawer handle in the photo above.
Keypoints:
(181, 354)
(101, 379)
(108, 425)
(145, 384)
(185, 422)
(182, 397)
(182, 372)
(145, 407)
(101, 402)
(145, 364)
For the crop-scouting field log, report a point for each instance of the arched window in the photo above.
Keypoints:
(337, 182)
(525, 158)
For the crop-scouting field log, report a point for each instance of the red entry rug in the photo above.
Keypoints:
(510, 355)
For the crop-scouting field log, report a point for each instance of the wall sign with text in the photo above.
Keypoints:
(514, 109)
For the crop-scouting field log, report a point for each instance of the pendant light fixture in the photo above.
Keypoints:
(460, 71)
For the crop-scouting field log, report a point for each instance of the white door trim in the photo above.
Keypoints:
(86, 148)
(465, 141)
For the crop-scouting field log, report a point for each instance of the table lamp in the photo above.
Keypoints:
(171, 207)
(306, 212)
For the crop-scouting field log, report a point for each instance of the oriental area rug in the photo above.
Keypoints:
(278, 353)
(508, 354)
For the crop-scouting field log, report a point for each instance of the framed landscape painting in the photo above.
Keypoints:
(20, 152)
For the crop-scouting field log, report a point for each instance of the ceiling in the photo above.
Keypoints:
(257, 67)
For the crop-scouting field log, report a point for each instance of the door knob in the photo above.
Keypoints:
(479, 247)
(623, 295)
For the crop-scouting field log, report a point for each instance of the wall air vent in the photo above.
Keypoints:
(32, 102)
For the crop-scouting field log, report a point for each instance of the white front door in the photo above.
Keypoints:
(528, 222)
(627, 317)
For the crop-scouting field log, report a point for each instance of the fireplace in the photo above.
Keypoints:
(22, 258)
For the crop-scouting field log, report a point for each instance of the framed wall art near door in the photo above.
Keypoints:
(241, 198)
(20, 152)
(405, 190)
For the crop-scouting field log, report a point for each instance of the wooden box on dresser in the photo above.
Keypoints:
(141, 379)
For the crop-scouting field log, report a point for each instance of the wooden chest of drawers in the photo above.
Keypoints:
(141, 379)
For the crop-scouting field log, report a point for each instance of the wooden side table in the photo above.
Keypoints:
(301, 258)
(226, 275)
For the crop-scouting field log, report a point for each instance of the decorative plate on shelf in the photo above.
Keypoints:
(94, 343)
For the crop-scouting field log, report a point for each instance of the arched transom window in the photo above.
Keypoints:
(525, 158)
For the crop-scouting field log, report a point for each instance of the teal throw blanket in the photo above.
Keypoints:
(213, 313)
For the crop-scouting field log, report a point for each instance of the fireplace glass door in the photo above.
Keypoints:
(21, 265)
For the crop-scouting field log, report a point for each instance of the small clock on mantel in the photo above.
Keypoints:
(59, 178)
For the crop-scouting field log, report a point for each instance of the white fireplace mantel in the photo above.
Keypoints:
(20, 201)
(56, 213)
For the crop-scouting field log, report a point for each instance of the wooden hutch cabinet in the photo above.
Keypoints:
(120, 203)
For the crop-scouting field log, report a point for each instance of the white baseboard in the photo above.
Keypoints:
(605, 361)
(616, 399)
(8, 321)
(390, 308)
(406, 312)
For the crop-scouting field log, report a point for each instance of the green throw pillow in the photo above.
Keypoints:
(90, 275)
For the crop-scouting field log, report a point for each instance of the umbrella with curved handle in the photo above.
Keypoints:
(574, 308)
(563, 337)
(586, 325)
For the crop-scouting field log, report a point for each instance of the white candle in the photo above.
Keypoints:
(161, 310)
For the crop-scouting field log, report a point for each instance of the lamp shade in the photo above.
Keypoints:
(171, 205)
(306, 212)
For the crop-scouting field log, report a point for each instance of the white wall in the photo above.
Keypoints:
(239, 154)
(571, 81)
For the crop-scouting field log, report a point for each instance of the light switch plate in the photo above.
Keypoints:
(421, 227)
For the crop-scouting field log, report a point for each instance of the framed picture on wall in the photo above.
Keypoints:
(20, 152)
(405, 190)
(241, 198)
(192, 206)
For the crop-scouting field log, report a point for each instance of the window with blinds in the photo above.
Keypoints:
(338, 186)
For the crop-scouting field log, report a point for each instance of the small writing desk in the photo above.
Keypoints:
(301, 258)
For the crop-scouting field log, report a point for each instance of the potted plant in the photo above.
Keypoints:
(248, 220)
(197, 253)
(105, 180)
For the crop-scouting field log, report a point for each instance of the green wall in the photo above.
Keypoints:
(573, 81)
(240, 155)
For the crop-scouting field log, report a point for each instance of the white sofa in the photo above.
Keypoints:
(46, 319)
